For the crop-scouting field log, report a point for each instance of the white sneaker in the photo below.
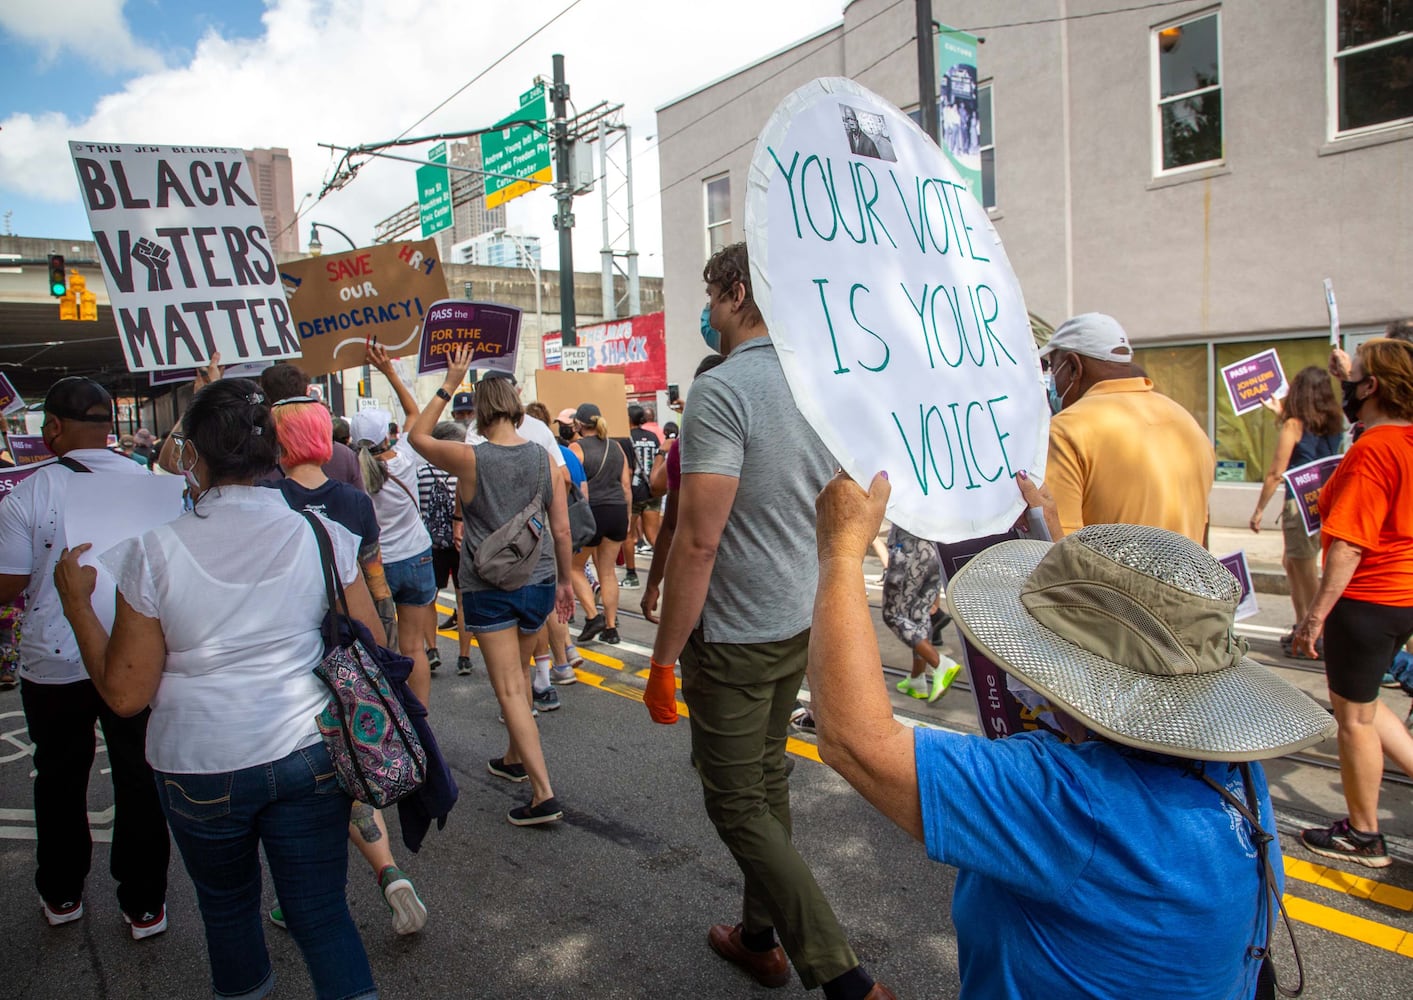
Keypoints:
(146, 925)
(408, 910)
(65, 913)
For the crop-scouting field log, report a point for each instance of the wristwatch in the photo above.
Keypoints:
(443, 394)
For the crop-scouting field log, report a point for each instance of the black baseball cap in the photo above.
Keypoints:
(72, 398)
(497, 373)
(462, 402)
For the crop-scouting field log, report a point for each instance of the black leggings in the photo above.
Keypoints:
(1361, 640)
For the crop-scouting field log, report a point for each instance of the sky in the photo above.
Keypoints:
(294, 73)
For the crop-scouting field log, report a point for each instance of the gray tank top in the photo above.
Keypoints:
(505, 481)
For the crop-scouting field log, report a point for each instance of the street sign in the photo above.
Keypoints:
(434, 193)
(521, 153)
(574, 359)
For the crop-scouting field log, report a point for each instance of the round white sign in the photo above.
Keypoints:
(895, 313)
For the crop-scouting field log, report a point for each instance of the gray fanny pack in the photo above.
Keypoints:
(509, 555)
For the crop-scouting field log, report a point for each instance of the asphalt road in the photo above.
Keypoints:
(616, 900)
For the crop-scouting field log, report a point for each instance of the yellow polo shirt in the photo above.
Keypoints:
(1124, 454)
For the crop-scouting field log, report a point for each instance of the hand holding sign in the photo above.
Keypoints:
(896, 316)
(459, 364)
(74, 580)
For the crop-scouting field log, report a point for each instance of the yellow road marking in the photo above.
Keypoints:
(1351, 885)
(1370, 932)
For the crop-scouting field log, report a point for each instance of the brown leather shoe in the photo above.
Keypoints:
(769, 968)
(880, 992)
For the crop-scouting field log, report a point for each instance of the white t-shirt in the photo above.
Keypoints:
(402, 533)
(531, 430)
(31, 541)
(239, 589)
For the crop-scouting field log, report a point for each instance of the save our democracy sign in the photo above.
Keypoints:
(1306, 481)
(492, 332)
(894, 310)
(342, 301)
(188, 264)
(1252, 380)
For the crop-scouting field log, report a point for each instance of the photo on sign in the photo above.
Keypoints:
(867, 134)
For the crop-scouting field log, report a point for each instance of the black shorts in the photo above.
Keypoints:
(445, 563)
(612, 524)
(1361, 640)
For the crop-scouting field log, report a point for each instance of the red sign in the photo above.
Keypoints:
(636, 347)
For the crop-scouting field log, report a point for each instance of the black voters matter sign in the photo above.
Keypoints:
(189, 266)
(896, 315)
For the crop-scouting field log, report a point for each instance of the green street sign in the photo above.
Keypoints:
(520, 153)
(434, 193)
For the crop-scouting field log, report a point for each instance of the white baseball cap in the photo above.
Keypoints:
(1094, 335)
(369, 426)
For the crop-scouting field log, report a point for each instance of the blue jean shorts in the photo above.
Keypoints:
(411, 580)
(497, 610)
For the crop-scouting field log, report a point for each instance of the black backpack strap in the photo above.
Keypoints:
(73, 464)
(333, 586)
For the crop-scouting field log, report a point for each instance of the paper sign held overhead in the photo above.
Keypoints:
(492, 331)
(1254, 379)
(342, 301)
(189, 266)
(898, 320)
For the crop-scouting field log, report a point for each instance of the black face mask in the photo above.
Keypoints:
(1351, 403)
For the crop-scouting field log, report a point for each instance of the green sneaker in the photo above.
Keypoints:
(277, 916)
(409, 913)
(943, 677)
(914, 687)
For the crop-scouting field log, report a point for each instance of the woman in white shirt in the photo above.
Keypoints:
(218, 627)
(390, 476)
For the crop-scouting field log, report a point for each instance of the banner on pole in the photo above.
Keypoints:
(189, 266)
(492, 331)
(896, 315)
(341, 302)
(635, 346)
(959, 124)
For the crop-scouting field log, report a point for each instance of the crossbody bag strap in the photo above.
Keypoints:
(1270, 894)
(333, 586)
(73, 464)
(603, 461)
(409, 493)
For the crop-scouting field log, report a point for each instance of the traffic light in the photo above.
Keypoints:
(365, 389)
(58, 281)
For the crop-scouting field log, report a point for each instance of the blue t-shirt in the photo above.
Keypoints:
(340, 503)
(576, 467)
(1087, 870)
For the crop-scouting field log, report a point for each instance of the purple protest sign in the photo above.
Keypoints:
(1305, 482)
(9, 478)
(179, 376)
(1254, 379)
(9, 398)
(29, 448)
(493, 331)
(1237, 566)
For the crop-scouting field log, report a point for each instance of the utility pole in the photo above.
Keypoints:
(926, 69)
(564, 195)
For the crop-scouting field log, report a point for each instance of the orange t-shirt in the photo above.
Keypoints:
(1368, 502)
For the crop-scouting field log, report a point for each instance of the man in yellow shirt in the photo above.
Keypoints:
(1120, 453)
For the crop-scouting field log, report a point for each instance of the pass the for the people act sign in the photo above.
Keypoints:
(189, 267)
(896, 315)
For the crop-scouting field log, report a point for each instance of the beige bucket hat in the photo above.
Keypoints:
(1130, 630)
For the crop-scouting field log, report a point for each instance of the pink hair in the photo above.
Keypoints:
(305, 432)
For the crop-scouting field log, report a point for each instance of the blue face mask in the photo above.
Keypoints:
(709, 332)
(1057, 401)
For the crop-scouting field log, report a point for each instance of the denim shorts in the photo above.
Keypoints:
(411, 580)
(496, 610)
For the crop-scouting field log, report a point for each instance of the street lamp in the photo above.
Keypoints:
(535, 267)
(315, 247)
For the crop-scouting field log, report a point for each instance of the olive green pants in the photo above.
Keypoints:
(740, 697)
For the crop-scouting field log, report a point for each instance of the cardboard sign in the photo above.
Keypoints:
(178, 376)
(343, 301)
(1236, 565)
(189, 266)
(561, 390)
(10, 478)
(27, 449)
(10, 400)
(492, 331)
(1254, 379)
(895, 313)
(636, 346)
(1305, 482)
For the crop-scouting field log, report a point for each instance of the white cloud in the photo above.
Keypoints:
(355, 71)
(93, 30)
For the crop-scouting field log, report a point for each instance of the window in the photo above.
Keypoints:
(1187, 81)
(718, 212)
(1371, 83)
(987, 146)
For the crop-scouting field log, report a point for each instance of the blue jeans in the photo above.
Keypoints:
(496, 610)
(296, 809)
(412, 580)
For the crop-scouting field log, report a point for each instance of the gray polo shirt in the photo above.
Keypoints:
(741, 421)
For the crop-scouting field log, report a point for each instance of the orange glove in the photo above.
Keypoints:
(661, 695)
